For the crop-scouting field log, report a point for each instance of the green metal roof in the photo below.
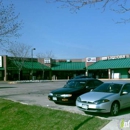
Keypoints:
(110, 64)
(36, 65)
(69, 66)
(28, 65)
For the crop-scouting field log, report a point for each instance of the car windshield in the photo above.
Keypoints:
(109, 88)
(75, 84)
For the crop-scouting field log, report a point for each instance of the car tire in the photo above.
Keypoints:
(114, 109)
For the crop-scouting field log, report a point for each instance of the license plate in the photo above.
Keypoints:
(54, 98)
(64, 99)
(84, 106)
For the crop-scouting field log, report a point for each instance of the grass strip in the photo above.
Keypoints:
(16, 116)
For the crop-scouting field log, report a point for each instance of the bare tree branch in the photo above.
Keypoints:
(41, 57)
(9, 26)
(118, 6)
(18, 53)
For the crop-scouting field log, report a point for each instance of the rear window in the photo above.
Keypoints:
(76, 84)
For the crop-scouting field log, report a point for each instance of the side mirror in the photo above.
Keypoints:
(124, 92)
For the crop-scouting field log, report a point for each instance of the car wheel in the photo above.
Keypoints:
(114, 109)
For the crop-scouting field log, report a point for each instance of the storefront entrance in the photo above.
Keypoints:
(102, 74)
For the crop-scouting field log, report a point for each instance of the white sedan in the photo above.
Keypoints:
(106, 98)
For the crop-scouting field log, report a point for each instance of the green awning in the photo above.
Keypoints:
(110, 64)
(1, 68)
(29, 65)
(59, 66)
(36, 66)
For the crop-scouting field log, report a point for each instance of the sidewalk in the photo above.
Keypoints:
(112, 125)
(3, 82)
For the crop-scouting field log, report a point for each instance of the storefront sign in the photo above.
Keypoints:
(116, 57)
(121, 56)
(91, 59)
(0, 61)
(48, 61)
(112, 57)
(104, 58)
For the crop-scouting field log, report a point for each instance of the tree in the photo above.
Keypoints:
(42, 56)
(18, 52)
(9, 25)
(118, 6)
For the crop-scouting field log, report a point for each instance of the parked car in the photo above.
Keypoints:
(73, 89)
(78, 77)
(81, 76)
(106, 98)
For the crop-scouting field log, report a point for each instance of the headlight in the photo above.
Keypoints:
(79, 99)
(101, 101)
(66, 95)
(50, 94)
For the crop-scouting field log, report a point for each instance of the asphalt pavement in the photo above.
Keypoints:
(36, 92)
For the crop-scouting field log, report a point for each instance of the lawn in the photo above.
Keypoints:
(16, 116)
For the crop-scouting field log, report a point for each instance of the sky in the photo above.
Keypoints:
(90, 32)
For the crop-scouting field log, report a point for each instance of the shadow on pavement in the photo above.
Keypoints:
(6, 87)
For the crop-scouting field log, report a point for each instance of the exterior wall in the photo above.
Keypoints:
(66, 74)
(100, 74)
(3, 73)
(42, 61)
(90, 63)
(5, 67)
(11, 74)
(109, 74)
(122, 73)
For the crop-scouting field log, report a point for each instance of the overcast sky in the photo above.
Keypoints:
(87, 33)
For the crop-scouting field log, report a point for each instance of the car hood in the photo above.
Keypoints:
(94, 96)
(65, 90)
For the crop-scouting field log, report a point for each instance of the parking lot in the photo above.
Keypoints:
(36, 93)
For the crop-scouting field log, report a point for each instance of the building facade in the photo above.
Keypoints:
(109, 67)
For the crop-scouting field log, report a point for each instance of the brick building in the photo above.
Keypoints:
(109, 67)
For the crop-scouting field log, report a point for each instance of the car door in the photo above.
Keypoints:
(125, 98)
